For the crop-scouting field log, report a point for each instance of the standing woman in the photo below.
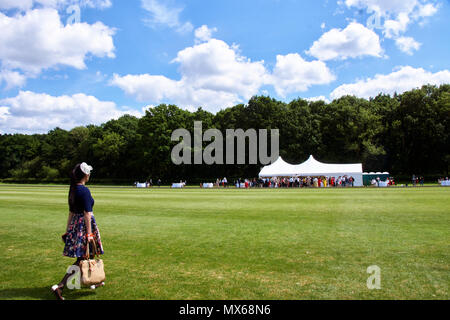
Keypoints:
(81, 226)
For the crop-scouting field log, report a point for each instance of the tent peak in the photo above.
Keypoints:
(311, 159)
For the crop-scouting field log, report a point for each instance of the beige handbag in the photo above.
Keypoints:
(92, 271)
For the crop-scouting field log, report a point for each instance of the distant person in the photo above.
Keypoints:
(159, 183)
(81, 228)
(413, 179)
(316, 182)
(422, 181)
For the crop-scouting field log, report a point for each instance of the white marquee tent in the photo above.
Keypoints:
(313, 168)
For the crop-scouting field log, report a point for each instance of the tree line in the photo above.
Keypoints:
(403, 134)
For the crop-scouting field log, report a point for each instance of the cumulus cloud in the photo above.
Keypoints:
(31, 112)
(352, 42)
(12, 79)
(394, 27)
(398, 14)
(215, 75)
(319, 98)
(216, 66)
(204, 33)
(160, 14)
(401, 80)
(407, 44)
(101, 4)
(25, 5)
(16, 4)
(293, 74)
(38, 40)
(384, 6)
(426, 10)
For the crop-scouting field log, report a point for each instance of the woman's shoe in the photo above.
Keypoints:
(57, 291)
(98, 285)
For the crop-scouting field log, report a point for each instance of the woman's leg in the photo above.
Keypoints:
(63, 282)
(58, 291)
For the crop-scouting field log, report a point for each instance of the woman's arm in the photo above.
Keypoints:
(87, 221)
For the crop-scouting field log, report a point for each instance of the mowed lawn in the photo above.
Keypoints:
(235, 244)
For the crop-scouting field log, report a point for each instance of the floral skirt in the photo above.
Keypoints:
(76, 240)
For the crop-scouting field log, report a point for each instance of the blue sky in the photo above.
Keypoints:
(119, 57)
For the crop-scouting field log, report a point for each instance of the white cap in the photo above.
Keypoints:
(86, 168)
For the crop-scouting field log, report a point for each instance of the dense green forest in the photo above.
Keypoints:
(403, 134)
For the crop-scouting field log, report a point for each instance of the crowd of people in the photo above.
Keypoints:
(300, 182)
(297, 182)
(221, 182)
(444, 181)
(416, 180)
(376, 182)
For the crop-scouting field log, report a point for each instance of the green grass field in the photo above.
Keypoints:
(235, 244)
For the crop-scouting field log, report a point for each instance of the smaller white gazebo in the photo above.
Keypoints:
(313, 168)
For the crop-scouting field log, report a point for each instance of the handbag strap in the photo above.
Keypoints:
(95, 250)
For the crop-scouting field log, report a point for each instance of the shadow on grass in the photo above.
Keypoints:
(44, 293)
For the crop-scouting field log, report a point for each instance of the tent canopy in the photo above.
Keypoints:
(310, 167)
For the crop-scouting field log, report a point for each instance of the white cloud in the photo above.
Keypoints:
(401, 80)
(12, 79)
(204, 33)
(37, 40)
(353, 41)
(163, 15)
(31, 112)
(407, 44)
(101, 4)
(384, 6)
(394, 27)
(293, 74)
(145, 87)
(427, 10)
(16, 4)
(398, 15)
(319, 98)
(216, 66)
(25, 5)
(215, 75)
